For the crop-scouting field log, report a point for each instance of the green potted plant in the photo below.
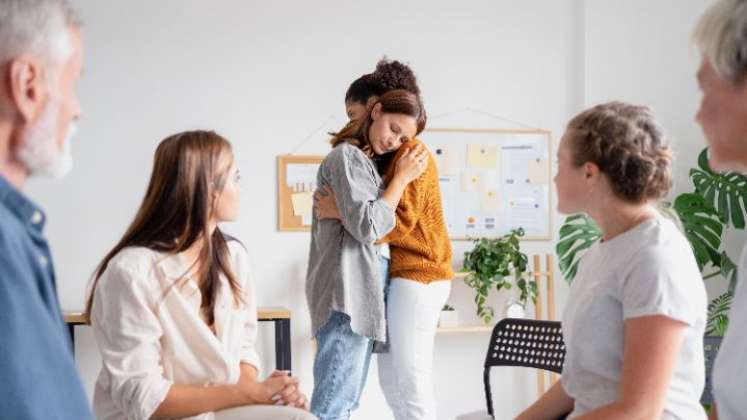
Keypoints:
(448, 318)
(718, 202)
(498, 264)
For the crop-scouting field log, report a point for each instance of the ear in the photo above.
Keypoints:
(591, 170)
(376, 111)
(371, 100)
(27, 87)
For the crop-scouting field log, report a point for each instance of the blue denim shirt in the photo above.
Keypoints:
(38, 379)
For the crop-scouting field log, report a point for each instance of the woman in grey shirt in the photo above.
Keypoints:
(344, 288)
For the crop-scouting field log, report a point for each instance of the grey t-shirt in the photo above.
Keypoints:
(648, 270)
(344, 269)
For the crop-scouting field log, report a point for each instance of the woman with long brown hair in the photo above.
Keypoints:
(173, 307)
(345, 285)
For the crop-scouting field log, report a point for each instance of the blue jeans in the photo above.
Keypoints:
(341, 365)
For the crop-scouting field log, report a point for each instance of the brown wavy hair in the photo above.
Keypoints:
(397, 101)
(176, 211)
(628, 145)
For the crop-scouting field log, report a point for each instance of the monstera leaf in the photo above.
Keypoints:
(702, 228)
(718, 315)
(727, 192)
(577, 234)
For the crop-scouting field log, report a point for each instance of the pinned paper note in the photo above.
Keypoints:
(482, 156)
(302, 203)
(471, 181)
(445, 160)
(539, 171)
(490, 202)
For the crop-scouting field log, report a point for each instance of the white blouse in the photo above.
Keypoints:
(148, 325)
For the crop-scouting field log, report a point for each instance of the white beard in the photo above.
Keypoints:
(39, 151)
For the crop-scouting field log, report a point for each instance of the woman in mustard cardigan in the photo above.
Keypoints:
(420, 269)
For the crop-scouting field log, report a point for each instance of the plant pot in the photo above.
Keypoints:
(515, 309)
(448, 319)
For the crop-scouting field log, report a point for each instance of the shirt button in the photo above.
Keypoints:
(36, 218)
(43, 261)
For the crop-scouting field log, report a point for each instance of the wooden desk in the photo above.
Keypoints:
(279, 315)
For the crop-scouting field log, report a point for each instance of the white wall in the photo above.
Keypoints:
(266, 74)
(641, 51)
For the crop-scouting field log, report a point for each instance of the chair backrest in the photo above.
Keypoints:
(710, 347)
(527, 342)
(524, 342)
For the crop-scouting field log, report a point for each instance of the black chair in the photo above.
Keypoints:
(710, 347)
(523, 342)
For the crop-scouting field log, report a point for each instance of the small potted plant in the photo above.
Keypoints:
(498, 263)
(449, 318)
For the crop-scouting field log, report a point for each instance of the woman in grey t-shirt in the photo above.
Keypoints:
(344, 286)
(634, 321)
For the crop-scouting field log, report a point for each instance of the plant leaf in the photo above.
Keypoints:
(702, 227)
(718, 314)
(726, 192)
(729, 271)
(577, 234)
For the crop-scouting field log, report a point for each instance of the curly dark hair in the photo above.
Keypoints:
(389, 75)
(628, 145)
(393, 74)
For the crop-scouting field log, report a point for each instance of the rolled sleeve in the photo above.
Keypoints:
(365, 215)
(249, 344)
(128, 334)
(243, 270)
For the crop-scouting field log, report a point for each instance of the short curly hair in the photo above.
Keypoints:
(627, 144)
(393, 74)
(389, 75)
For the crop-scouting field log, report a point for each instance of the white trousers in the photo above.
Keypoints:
(405, 373)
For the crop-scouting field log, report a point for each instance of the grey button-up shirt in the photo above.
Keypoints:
(344, 271)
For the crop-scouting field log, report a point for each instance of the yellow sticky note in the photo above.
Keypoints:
(445, 160)
(302, 203)
(490, 202)
(539, 171)
(471, 182)
(482, 156)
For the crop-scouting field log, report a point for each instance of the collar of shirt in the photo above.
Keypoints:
(24, 209)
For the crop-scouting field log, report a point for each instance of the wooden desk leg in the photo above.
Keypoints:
(71, 331)
(283, 344)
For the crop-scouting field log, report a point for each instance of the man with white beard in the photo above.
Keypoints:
(40, 63)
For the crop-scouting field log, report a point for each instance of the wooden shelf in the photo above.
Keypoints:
(480, 328)
(460, 275)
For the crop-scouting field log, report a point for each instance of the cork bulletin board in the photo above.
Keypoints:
(296, 184)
